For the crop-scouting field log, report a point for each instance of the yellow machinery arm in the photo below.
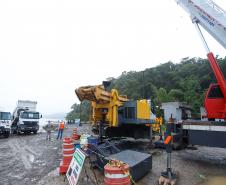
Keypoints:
(98, 93)
(102, 100)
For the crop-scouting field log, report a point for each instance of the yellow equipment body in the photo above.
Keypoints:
(104, 104)
(143, 109)
(116, 111)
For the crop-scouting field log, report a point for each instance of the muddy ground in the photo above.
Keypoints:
(30, 159)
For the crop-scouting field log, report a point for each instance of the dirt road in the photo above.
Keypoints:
(195, 165)
(31, 160)
(26, 159)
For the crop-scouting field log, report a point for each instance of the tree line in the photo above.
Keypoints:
(186, 81)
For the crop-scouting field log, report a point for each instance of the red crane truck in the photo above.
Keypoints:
(209, 133)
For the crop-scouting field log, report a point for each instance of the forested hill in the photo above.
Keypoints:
(186, 81)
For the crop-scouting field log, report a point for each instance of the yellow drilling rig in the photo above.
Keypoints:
(115, 115)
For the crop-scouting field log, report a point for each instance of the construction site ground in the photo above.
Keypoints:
(30, 159)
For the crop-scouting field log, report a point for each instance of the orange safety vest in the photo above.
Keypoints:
(62, 125)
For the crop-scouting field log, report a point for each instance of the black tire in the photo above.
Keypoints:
(211, 119)
(13, 130)
(18, 132)
(6, 135)
(35, 132)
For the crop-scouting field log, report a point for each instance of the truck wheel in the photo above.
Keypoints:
(35, 132)
(6, 135)
(13, 131)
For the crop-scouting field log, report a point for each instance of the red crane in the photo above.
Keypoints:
(213, 19)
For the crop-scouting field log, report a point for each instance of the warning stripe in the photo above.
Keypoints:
(68, 149)
(115, 176)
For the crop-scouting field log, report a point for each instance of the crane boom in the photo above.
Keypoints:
(209, 15)
(213, 19)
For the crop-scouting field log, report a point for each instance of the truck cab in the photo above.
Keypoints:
(25, 118)
(5, 120)
(26, 122)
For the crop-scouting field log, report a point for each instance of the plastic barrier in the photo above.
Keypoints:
(68, 151)
(116, 174)
(75, 135)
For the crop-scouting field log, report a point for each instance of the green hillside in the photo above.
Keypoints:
(186, 81)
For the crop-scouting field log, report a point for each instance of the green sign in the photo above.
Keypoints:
(75, 167)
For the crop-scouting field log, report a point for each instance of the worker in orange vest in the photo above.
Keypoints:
(60, 130)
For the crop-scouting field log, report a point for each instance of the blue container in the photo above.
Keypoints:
(93, 140)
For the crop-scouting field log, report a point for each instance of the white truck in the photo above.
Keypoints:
(5, 120)
(25, 118)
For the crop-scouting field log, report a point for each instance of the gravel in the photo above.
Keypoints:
(30, 159)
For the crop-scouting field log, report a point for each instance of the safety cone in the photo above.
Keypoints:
(68, 151)
(116, 172)
(75, 135)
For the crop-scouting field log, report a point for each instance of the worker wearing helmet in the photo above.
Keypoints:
(48, 129)
(60, 129)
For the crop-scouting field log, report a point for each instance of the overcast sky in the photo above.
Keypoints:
(50, 47)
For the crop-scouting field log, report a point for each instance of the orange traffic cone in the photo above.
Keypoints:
(116, 173)
(68, 151)
(75, 135)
